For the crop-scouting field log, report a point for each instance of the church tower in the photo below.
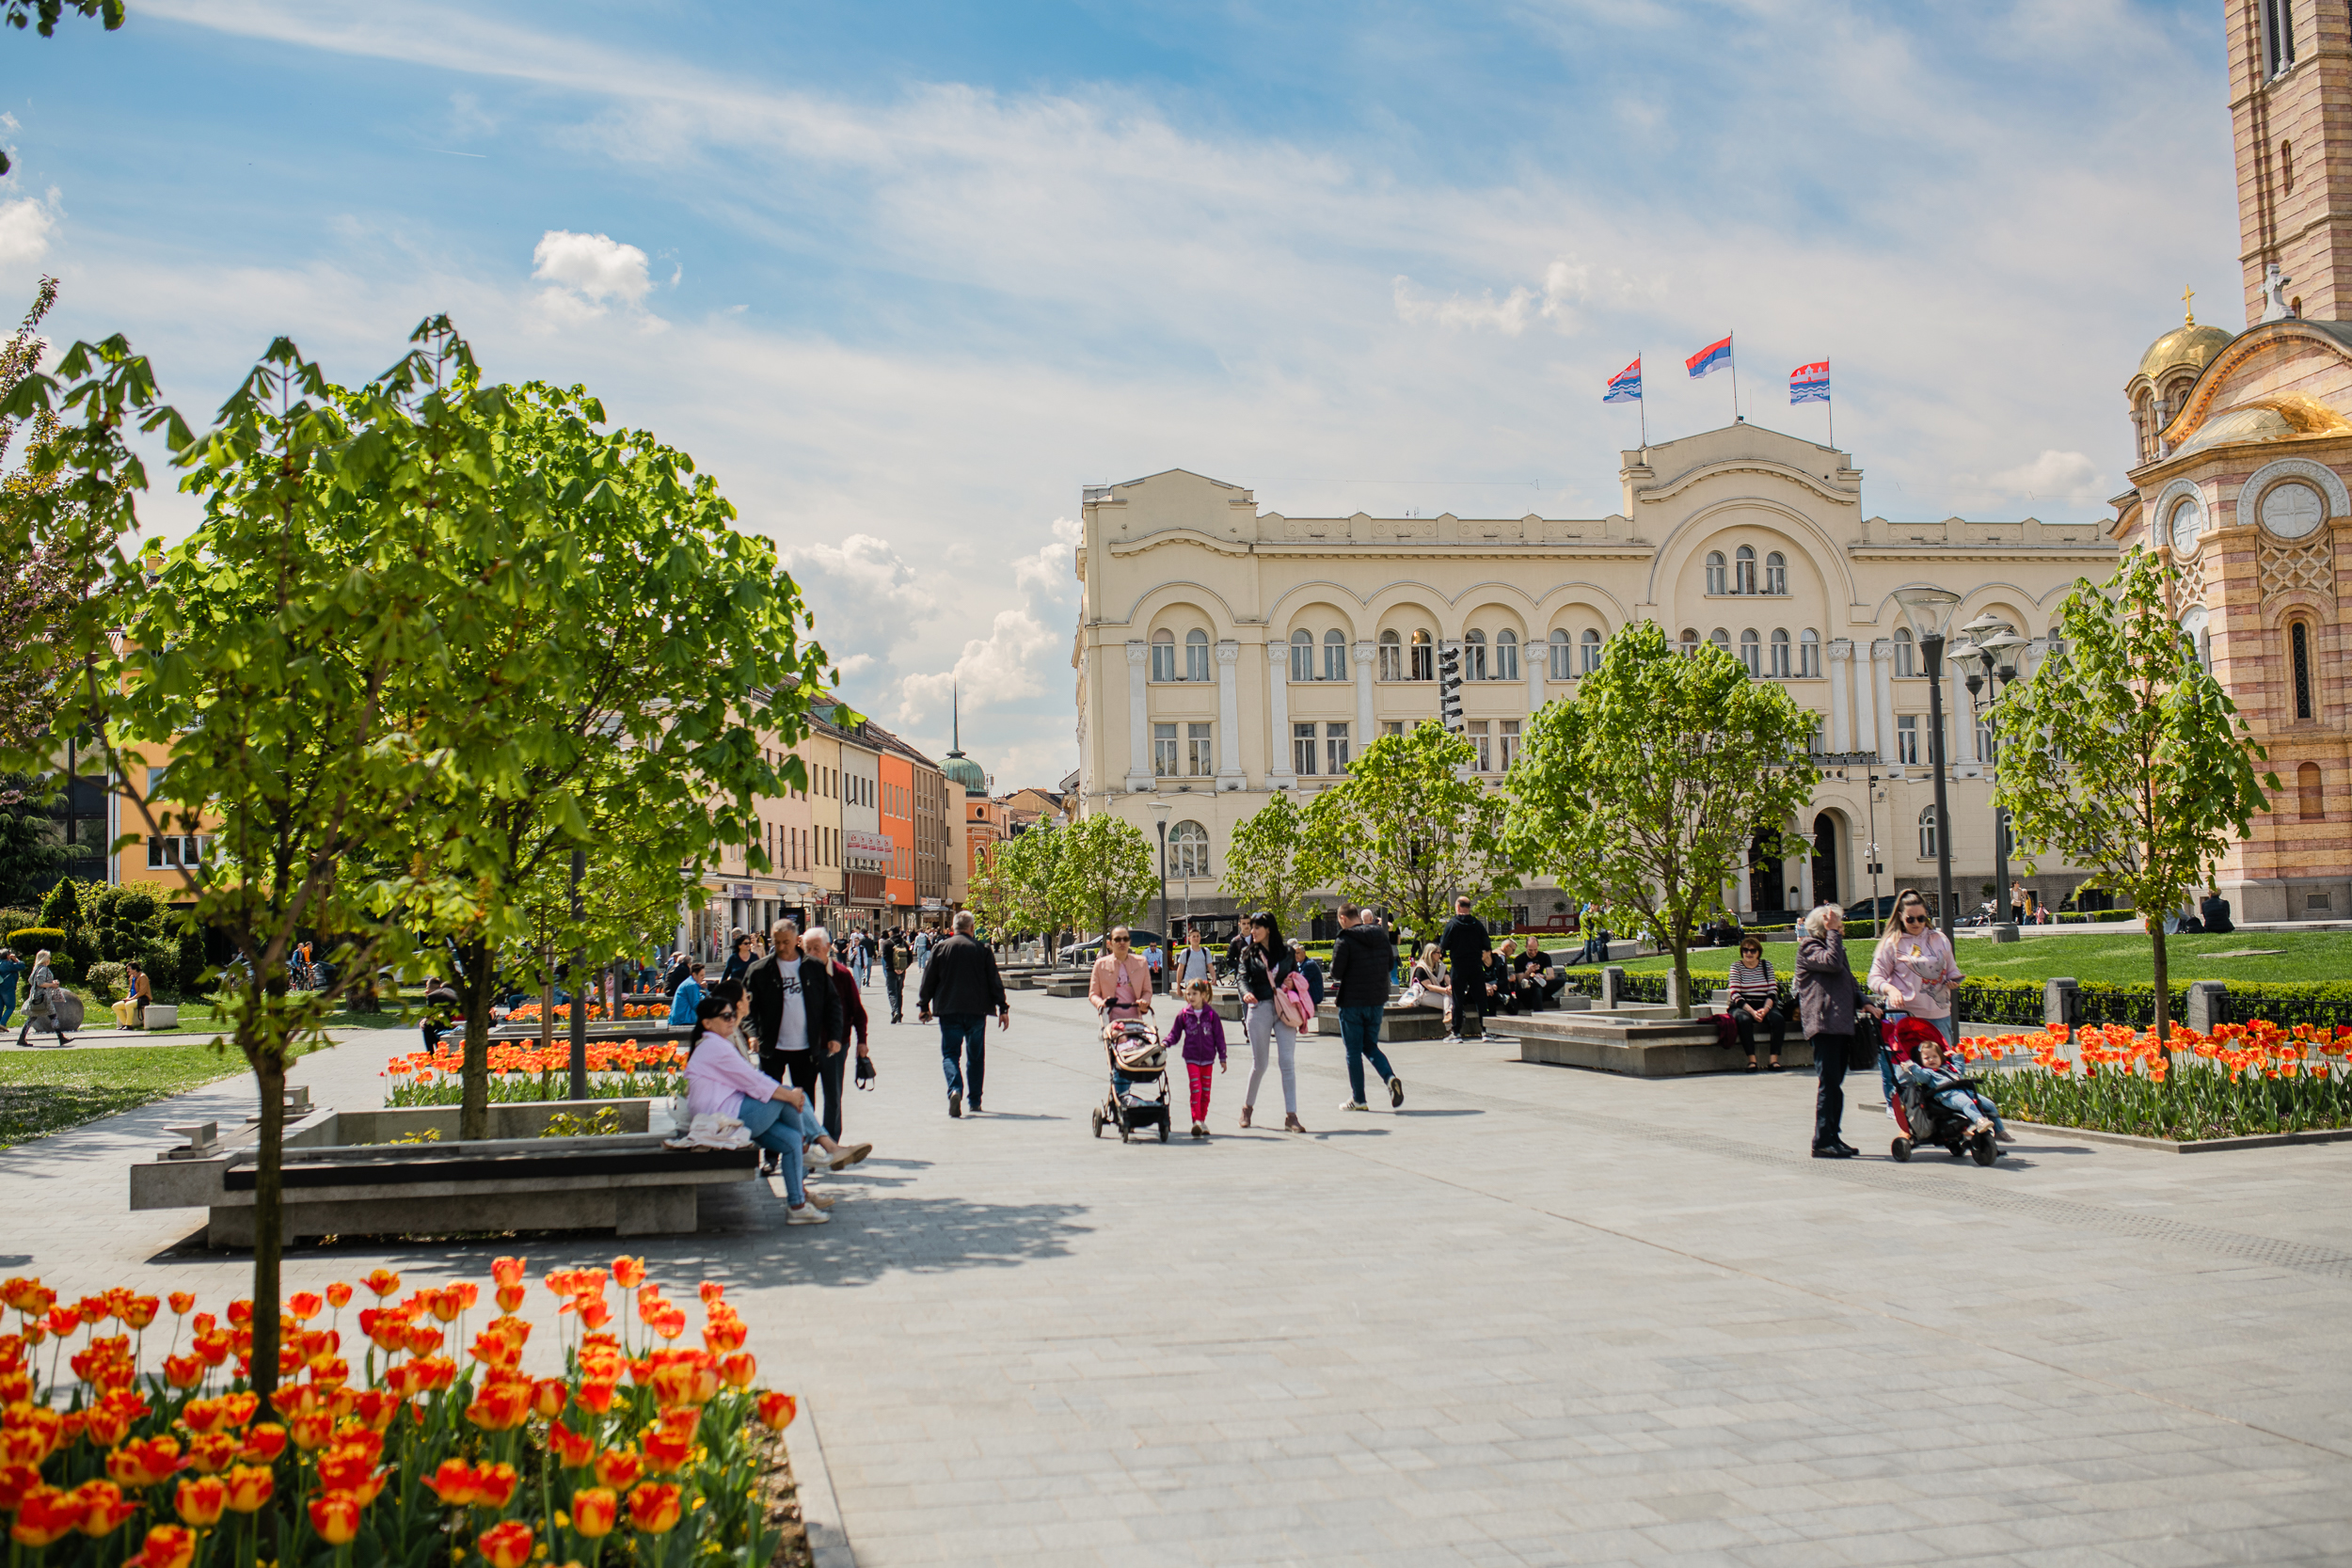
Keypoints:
(2290, 116)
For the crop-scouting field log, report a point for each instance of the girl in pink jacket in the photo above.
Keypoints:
(1201, 1034)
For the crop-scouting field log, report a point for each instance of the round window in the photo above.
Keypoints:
(2290, 509)
(2188, 520)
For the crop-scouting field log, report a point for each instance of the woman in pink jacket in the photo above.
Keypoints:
(1913, 971)
(1121, 986)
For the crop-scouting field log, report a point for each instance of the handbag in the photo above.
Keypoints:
(1292, 1004)
(1863, 1055)
(864, 1079)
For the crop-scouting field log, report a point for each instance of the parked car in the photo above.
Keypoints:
(1872, 908)
(1079, 953)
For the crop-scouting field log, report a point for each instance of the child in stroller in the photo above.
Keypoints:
(1936, 1104)
(1139, 1063)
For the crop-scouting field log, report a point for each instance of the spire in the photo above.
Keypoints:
(955, 719)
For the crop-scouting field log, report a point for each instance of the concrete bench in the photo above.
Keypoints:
(1642, 1045)
(1397, 1022)
(343, 1175)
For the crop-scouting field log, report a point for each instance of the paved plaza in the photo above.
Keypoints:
(1540, 1317)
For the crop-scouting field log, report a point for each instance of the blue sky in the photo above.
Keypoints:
(906, 277)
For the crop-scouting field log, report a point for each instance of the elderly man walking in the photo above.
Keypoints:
(795, 1011)
(1361, 960)
(960, 988)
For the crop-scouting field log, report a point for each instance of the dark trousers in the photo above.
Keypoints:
(799, 1068)
(1829, 1098)
(898, 994)
(962, 1052)
(1359, 1028)
(1776, 1020)
(1534, 993)
(828, 1073)
(1470, 996)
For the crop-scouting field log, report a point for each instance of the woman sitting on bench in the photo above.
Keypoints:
(719, 1082)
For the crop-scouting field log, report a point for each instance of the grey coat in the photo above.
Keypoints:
(1827, 992)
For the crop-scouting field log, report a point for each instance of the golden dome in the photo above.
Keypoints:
(2190, 348)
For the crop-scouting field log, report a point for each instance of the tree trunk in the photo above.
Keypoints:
(2164, 984)
(269, 1215)
(1682, 970)
(473, 1116)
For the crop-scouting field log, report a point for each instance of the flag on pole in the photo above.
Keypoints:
(1809, 383)
(1625, 386)
(1713, 358)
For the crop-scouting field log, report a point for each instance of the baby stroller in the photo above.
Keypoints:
(1139, 1064)
(1919, 1120)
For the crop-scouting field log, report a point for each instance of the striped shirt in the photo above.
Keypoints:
(1754, 984)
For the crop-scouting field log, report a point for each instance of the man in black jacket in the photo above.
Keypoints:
(1464, 945)
(898, 956)
(1362, 958)
(795, 1012)
(960, 986)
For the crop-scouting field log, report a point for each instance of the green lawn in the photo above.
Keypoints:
(48, 1091)
(2118, 957)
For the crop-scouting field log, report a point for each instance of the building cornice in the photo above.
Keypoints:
(1764, 466)
(1980, 552)
(1465, 550)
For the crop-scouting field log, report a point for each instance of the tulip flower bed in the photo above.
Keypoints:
(643, 1451)
(2240, 1081)
(598, 1012)
(617, 1070)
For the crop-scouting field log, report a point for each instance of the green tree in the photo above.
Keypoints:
(1646, 791)
(2123, 753)
(1262, 865)
(1105, 874)
(998, 902)
(1027, 863)
(31, 853)
(1408, 830)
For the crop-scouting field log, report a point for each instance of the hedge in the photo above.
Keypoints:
(32, 939)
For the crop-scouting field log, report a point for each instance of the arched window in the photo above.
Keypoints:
(1561, 669)
(1507, 655)
(1473, 656)
(1780, 652)
(1302, 654)
(2311, 803)
(1927, 835)
(2194, 622)
(1188, 850)
(1392, 656)
(1334, 655)
(1425, 657)
(1743, 570)
(1163, 656)
(1690, 641)
(1196, 655)
(1720, 638)
(1752, 652)
(2299, 657)
(1905, 662)
(1775, 572)
(1809, 653)
(1591, 650)
(1718, 579)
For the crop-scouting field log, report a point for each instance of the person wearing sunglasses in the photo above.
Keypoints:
(1912, 972)
(1120, 987)
(720, 1081)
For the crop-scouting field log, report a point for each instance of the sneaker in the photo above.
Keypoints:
(823, 1202)
(815, 1161)
(770, 1164)
(1396, 1093)
(955, 1103)
(1354, 1106)
(974, 1107)
(1831, 1151)
(807, 1213)
(2005, 1135)
(845, 1157)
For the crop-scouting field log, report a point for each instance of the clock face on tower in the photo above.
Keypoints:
(2292, 510)
(2188, 520)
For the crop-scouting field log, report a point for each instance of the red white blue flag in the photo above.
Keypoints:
(1809, 383)
(1713, 358)
(1625, 386)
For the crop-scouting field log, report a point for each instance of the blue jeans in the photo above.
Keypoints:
(787, 1132)
(1949, 1027)
(1962, 1102)
(963, 1052)
(1360, 1031)
(8, 1002)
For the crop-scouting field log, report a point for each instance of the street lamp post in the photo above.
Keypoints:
(1927, 609)
(1992, 664)
(1168, 948)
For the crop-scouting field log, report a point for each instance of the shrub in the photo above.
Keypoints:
(64, 968)
(32, 939)
(14, 920)
(108, 982)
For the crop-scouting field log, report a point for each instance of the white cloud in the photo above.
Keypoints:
(1050, 570)
(25, 227)
(865, 597)
(585, 271)
(2056, 480)
(1002, 667)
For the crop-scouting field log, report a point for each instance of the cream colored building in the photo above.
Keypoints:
(1223, 653)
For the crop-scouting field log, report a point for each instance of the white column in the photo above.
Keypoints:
(1278, 708)
(1963, 708)
(1533, 654)
(1804, 867)
(1365, 729)
(1865, 723)
(1840, 674)
(1139, 719)
(1228, 713)
(1883, 681)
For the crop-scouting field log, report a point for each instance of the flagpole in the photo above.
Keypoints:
(1734, 377)
(1643, 406)
(1831, 401)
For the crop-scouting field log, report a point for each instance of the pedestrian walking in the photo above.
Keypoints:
(897, 958)
(1755, 1002)
(796, 1013)
(11, 972)
(1277, 1010)
(833, 1068)
(741, 959)
(960, 988)
(45, 1004)
(1120, 986)
(1193, 961)
(1201, 1035)
(1465, 943)
(1830, 1001)
(1362, 958)
(862, 957)
(1912, 969)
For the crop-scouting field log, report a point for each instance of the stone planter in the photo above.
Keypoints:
(163, 1015)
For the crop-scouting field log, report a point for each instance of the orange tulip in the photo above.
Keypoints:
(500, 1407)
(619, 1467)
(312, 1429)
(265, 1442)
(652, 1508)
(509, 1297)
(596, 1395)
(45, 1515)
(666, 1452)
(180, 1301)
(595, 1313)
(211, 1453)
(570, 1448)
(250, 1487)
(548, 1396)
(778, 1410)
(149, 1462)
(15, 1482)
(506, 1546)
(628, 1273)
(383, 1282)
(736, 1372)
(183, 1371)
(508, 1270)
(167, 1546)
(198, 1501)
(138, 1311)
(595, 1509)
(336, 1515)
(339, 1295)
(237, 1409)
(305, 1305)
(241, 1313)
(104, 1510)
(351, 1470)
